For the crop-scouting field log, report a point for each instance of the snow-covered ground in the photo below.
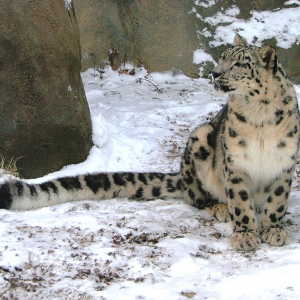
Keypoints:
(121, 249)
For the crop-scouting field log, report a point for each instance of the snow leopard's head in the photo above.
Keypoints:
(244, 69)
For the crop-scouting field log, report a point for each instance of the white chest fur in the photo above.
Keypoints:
(264, 153)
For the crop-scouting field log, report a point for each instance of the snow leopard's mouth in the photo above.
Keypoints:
(220, 84)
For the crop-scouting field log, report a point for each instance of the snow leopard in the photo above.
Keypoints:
(239, 166)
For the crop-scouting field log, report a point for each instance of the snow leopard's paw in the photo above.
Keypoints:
(220, 212)
(245, 240)
(275, 236)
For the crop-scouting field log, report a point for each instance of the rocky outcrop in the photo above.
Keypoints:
(246, 17)
(44, 116)
(157, 34)
(163, 35)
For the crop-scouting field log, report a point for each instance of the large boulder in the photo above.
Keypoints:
(44, 116)
(160, 35)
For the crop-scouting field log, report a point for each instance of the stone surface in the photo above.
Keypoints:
(44, 116)
(162, 35)
(288, 57)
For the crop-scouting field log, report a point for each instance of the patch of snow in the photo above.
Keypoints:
(200, 56)
(68, 3)
(280, 24)
(228, 16)
(290, 2)
(206, 3)
(205, 32)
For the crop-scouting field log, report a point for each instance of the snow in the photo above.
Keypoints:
(121, 249)
(200, 56)
(206, 4)
(68, 4)
(282, 24)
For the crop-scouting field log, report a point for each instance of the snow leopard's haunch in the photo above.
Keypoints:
(240, 163)
(19, 195)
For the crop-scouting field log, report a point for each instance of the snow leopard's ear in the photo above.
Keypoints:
(239, 40)
(269, 57)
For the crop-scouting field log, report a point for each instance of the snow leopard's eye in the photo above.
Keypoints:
(239, 65)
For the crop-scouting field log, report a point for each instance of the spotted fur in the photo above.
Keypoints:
(19, 195)
(239, 163)
(245, 157)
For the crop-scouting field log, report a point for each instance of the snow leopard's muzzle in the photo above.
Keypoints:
(220, 83)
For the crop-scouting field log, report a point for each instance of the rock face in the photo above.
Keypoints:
(157, 34)
(210, 10)
(163, 35)
(44, 116)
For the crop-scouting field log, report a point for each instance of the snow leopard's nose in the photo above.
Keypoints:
(215, 75)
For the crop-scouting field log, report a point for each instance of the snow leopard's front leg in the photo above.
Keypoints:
(274, 210)
(242, 211)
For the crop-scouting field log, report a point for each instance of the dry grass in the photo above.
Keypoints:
(9, 167)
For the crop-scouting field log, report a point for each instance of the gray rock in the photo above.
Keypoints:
(44, 116)
(288, 57)
(162, 35)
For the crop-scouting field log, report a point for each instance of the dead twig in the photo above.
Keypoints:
(157, 89)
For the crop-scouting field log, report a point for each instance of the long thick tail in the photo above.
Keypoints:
(19, 195)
